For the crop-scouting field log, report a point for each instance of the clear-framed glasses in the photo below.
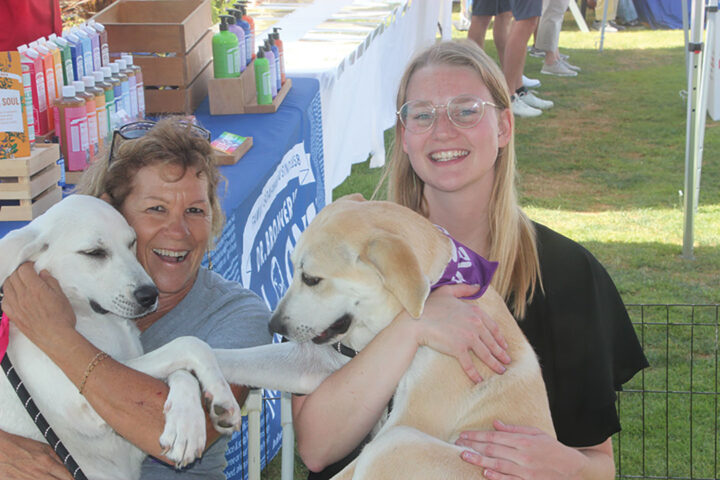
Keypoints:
(464, 111)
(134, 130)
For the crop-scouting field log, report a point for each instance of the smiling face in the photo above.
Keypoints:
(446, 157)
(171, 215)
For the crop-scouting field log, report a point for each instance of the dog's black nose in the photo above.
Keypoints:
(146, 295)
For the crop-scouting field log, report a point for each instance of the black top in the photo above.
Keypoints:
(584, 339)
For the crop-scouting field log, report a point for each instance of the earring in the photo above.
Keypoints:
(209, 257)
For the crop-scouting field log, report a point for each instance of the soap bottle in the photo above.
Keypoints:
(139, 85)
(100, 110)
(86, 49)
(276, 54)
(48, 64)
(225, 51)
(263, 83)
(125, 85)
(66, 58)
(94, 36)
(103, 79)
(57, 64)
(91, 115)
(239, 33)
(267, 51)
(76, 52)
(281, 49)
(117, 91)
(103, 37)
(245, 27)
(242, 6)
(29, 104)
(71, 124)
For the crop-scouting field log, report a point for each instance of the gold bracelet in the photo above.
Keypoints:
(99, 357)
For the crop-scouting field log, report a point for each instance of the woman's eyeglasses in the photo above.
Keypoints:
(464, 111)
(135, 130)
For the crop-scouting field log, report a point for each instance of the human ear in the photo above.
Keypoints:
(505, 127)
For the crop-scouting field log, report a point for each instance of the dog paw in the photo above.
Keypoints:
(223, 409)
(183, 439)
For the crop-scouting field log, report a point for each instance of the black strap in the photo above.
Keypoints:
(39, 419)
(344, 349)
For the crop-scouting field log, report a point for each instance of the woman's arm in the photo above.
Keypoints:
(25, 459)
(128, 400)
(330, 422)
(527, 452)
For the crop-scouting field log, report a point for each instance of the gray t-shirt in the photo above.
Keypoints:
(225, 315)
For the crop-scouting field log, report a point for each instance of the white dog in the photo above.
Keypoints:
(357, 266)
(90, 249)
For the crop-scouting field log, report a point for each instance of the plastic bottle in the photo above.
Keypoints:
(102, 80)
(132, 84)
(242, 6)
(117, 88)
(248, 41)
(102, 36)
(72, 127)
(28, 72)
(42, 126)
(57, 64)
(100, 110)
(125, 86)
(267, 50)
(281, 49)
(276, 54)
(76, 53)
(66, 58)
(91, 114)
(94, 44)
(48, 65)
(262, 79)
(86, 49)
(226, 54)
(235, 28)
(139, 85)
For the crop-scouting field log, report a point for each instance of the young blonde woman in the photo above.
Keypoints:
(454, 162)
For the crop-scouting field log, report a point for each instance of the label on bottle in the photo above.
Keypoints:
(28, 103)
(76, 137)
(133, 97)
(102, 118)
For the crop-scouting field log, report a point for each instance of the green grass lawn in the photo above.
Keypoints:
(606, 167)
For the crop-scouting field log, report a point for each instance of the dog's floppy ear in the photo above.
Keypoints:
(399, 269)
(353, 197)
(17, 247)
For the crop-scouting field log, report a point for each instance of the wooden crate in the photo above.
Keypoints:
(229, 96)
(171, 41)
(29, 185)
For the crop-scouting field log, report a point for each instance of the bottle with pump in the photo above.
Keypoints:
(239, 33)
(263, 83)
(66, 58)
(242, 6)
(100, 110)
(139, 85)
(267, 51)
(247, 38)
(72, 127)
(281, 49)
(226, 54)
(91, 115)
(276, 54)
(103, 79)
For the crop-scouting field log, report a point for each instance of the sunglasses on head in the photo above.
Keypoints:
(135, 130)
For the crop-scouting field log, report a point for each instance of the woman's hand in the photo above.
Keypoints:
(456, 327)
(25, 459)
(520, 452)
(36, 304)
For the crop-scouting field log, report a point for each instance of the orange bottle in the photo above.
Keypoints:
(72, 129)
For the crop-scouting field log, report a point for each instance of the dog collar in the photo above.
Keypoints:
(344, 349)
(4, 335)
(466, 266)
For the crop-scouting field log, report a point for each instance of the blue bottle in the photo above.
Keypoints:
(276, 53)
(76, 54)
(238, 14)
(86, 49)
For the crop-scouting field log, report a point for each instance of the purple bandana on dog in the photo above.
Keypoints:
(466, 266)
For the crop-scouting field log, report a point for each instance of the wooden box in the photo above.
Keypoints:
(230, 96)
(29, 185)
(171, 41)
(224, 158)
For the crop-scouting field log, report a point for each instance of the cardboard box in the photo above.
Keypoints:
(155, 25)
(29, 185)
(179, 99)
(229, 96)
(14, 139)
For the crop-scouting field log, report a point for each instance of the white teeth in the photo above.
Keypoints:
(170, 253)
(447, 155)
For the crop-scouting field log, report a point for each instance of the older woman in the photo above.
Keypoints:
(161, 177)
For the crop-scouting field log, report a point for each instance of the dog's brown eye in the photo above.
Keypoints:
(310, 281)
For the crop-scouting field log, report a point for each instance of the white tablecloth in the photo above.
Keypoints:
(358, 50)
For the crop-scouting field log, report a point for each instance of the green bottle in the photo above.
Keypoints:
(66, 56)
(262, 79)
(226, 53)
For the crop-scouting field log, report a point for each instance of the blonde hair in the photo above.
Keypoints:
(169, 142)
(512, 234)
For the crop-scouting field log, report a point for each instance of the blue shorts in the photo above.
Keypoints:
(521, 9)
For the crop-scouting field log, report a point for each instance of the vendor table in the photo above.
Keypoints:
(358, 50)
(272, 193)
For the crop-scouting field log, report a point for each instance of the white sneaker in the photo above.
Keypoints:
(530, 82)
(558, 68)
(522, 109)
(535, 102)
(571, 66)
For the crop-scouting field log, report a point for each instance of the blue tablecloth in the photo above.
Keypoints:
(272, 194)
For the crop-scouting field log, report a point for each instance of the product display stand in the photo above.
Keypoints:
(29, 185)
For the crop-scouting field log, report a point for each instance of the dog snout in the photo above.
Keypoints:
(146, 295)
(277, 325)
